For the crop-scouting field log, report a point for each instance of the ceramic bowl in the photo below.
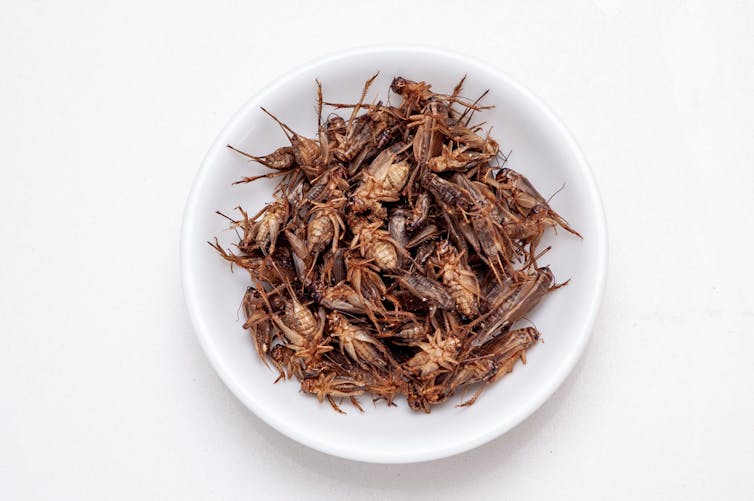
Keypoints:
(541, 148)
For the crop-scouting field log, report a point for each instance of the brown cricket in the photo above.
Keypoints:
(398, 256)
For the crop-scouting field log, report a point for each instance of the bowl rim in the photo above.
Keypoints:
(202, 330)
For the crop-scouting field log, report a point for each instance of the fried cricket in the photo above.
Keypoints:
(399, 255)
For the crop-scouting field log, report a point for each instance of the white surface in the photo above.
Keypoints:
(544, 151)
(105, 114)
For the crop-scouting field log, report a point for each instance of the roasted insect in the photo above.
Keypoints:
(459, 279)
(398, 255)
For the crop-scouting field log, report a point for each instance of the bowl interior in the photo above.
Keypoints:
(541, 149)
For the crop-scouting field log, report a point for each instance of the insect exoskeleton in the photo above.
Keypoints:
(397, 254)
(458, 278)
(438, 354)
(376, 244)
(356, 341)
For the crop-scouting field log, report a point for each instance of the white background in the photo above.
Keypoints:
(105, 114)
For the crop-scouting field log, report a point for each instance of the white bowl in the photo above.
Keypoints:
(543, 150)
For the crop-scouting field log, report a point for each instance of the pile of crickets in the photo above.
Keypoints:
(397, 254)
